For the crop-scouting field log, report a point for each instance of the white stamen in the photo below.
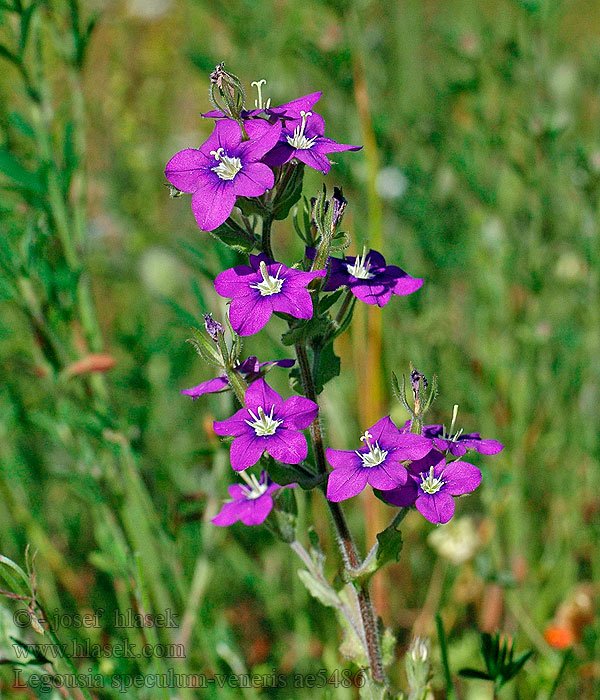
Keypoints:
(259, 103)
(227, 167)
(450, 435)
(360, 268)
(430, 483)
(375, 456)
(299, 140)
(269, 285)
(263, 424)
(254, 489)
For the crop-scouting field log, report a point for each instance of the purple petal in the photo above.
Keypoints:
(246, 450)
(296, 302)
(253, 180)
(226, 135)
(371, 293)
(232, 426)
(300, 104)
(235, 281)
(385, 431)
(260, 394)
(313, 159)
(343, 459)
(228, 515)
(461, 477)
(431, 459)
(237, 492)
(298, 278)
(402, 496)
(298, 412)
(258, 511)
(211, 386)
(346, 482)
(212, 202)
(287, 446)
(325, 145)
(387, 476)
(279, 154)
(438, 508)
(250, 313)
(484, 447)
(411, 446)
(406, 285)
(249, 366)
(288, 362)
(185, 169)
(263, 137)
(457, 449)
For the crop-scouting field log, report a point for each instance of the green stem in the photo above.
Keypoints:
(345, 541)
(266, 236)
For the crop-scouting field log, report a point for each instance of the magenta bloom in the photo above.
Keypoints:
(302, 138)
(250, 503)
(378, 462)
(458, 444)
(264, 286)
(250, 369)
(268, 423)
(368, 277)
(432, 489)
(223, 168)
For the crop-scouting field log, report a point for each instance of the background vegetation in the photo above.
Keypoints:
(480, 173)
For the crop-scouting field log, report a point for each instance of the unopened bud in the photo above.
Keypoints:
(226, 92)
(417, 666)
(213, 328)
(338, 204)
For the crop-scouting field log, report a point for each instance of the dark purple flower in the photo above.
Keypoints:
(302, 138)
(264, 286)
(250, 369)
(459, 443)
(223, 168)
(250, 503)
(378, 462)
(432, 489)
(368, 277)
(268, 423)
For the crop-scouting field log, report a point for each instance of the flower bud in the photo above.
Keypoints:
(417, 661)
(213, 328)
(226, 92)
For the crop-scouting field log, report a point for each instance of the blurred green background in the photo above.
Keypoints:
(480, 173)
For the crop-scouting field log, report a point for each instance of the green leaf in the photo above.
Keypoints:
(474, 673)
(390, 546)
(352, 646)
(320, 590)
(329, 367)
(371, 690)
(234, 236)
(290, 194)
(18, 174)
(388, 644)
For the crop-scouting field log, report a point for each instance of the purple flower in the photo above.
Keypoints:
(302, 138)
(378, 462)
(250, 369)
(250, 503)
(459, 443)
(368, 277)
(223, 168)
(432, 488)
(268, 423)
(264, 286)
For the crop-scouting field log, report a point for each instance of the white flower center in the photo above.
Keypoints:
(375, 456)
(299, 140)
(227, 167)
(269, 285)
(430, 483)
(263, 424)
(360, 268)
(259, 102)
(254, 489)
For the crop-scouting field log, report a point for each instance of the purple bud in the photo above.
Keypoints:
(213, 328)
(415, 379)
(339, 203)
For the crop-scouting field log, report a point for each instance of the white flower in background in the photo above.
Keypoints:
(457, 541)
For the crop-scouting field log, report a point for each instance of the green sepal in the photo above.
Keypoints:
(233, 235)
(286, 198)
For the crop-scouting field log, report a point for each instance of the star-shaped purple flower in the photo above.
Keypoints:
(432, 488)
(251, 503)
(223, 168)
(250, 369)
(259, 289)
(458, 444)
(268, 423)
(302, 138)
(378, 462)
(368, 277)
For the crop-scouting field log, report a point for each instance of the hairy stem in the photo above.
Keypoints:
(345, 540)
